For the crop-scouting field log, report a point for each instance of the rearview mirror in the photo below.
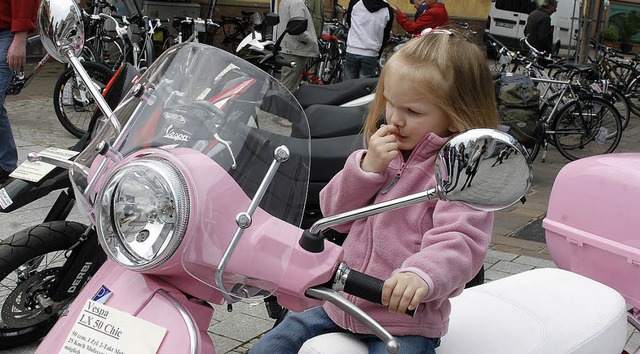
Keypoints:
(485, 169)
(272, 19)
(60, 28)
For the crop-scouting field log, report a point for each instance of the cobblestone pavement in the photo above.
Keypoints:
(35, 127)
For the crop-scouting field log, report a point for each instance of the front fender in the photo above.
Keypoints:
(145, 297)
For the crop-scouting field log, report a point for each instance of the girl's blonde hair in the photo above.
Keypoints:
(450, 71)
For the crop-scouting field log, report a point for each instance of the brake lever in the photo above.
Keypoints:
(332, 296)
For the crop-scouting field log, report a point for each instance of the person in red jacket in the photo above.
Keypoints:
(16, 20)
(435, 16)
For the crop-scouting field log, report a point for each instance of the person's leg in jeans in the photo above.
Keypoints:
(293, 331)
(408, 344)
(351, 66)
(369, 67)
(8, 152)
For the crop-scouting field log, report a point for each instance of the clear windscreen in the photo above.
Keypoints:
(200, 97)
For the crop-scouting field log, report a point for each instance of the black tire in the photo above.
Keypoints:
(50, 240)
(147, 56)
(89, 53)
(633, 94)
(534, 149)
(73, 105)
(168, 42)
(108, 51)
(586, 127)
(622, 104)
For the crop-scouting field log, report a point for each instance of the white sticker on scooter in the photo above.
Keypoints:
(103, 329)
(5, 199)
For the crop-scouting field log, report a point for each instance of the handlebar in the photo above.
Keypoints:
(361, 285)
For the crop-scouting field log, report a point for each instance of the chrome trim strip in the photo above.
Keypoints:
(191, 326)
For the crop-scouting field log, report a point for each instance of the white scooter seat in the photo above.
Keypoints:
(542, 311)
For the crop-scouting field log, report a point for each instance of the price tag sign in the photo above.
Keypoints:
(35, 171)
(101, 329)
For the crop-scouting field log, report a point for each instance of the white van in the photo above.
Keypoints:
(507, 19)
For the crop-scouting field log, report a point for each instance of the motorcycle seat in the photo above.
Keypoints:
(538, 311)
(327, 121)
(335, 94)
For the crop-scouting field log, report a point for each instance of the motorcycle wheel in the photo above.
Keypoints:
(22, 318)
(73, 113)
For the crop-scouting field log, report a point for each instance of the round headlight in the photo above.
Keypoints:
(143, 213)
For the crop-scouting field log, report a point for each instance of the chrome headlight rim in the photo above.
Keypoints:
(113, 242)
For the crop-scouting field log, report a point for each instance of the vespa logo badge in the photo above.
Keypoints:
(170, 133)
(177, 118)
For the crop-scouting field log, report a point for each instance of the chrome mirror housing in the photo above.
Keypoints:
(485, 169)
(60, 28)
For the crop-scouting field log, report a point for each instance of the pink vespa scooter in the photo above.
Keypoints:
(196, 198)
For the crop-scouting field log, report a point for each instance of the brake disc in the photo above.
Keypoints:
(21, 309)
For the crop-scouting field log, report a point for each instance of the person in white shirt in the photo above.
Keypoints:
(370, 24)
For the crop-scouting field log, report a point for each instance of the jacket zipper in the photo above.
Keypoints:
(395, 179)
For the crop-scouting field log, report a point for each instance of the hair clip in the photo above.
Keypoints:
(428, 31)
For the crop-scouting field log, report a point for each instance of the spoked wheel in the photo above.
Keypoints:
(587, 127)
(30, 261)
(72, 100)
(228, 35)
(622, 104)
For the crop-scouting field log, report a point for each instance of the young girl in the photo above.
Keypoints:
(435, 86)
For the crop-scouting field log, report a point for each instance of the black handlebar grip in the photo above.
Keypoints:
(366, 287)
(279, 62)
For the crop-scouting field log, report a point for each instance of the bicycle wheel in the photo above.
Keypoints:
(108, 50)
(333, 69)
(228, 35)
(633, 94)
(88, 53)
(73, 102)
(621, 102)
(586, 127)
(621, 75)
(147, 56)
(534, 149)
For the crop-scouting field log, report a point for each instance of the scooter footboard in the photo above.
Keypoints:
(140, 315)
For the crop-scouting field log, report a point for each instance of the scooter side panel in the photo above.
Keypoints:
(136, 294)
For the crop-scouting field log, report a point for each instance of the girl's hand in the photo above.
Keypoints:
(383, 148)
(403, 292)
(395, 8)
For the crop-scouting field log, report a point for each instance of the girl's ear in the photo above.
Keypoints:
(453, 129)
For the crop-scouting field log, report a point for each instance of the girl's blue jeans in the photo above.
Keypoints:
(298, 327)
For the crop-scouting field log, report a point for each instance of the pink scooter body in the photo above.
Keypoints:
(137, 294)
(269, 241)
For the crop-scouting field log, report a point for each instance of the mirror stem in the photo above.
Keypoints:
(102, 103)
(312, 240)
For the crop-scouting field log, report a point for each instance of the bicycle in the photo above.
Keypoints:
(578, 123)
(328, 67)
(230, 30)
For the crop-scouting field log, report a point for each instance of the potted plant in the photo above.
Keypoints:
(628, 25)
(610, 38)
